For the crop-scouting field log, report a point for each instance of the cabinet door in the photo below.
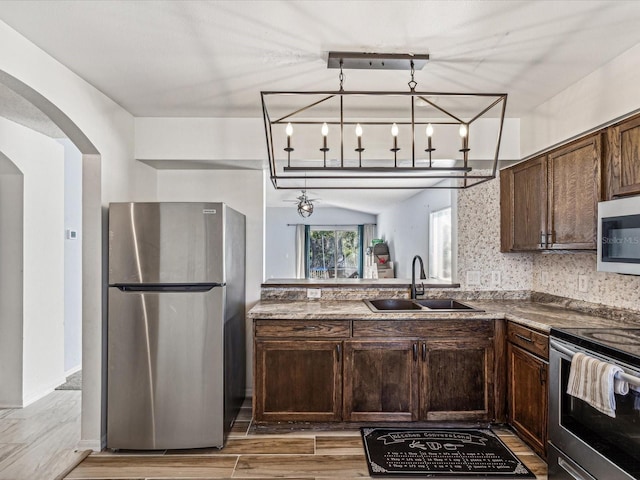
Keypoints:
(527, 392)
(624, 157)
(575, 186)
(381, 380)
(529, 187)
(457, 379)
(298, 380)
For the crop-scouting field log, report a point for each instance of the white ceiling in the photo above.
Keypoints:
(212, 58)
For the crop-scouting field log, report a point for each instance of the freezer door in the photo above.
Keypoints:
(174, 243)
(165, 369)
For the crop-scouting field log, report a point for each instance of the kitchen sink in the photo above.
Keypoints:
(391, 305)
(444, 304)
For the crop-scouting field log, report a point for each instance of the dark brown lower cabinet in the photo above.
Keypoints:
(381, 380)
(408, 380)
(370, 371)
(527, 391)
(457, 379)
(298, 380)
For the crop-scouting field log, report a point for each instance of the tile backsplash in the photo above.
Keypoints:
(562, 274)
(479, 242)
(559, 274)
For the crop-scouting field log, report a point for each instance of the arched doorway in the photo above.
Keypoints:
(93, 268)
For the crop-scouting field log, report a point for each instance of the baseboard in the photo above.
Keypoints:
(43, 393)
(73, 370)
(95, 445)
(9, 405)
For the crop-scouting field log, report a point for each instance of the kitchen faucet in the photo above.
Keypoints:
(415, 291)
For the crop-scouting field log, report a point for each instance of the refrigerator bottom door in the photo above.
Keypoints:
(165, 369)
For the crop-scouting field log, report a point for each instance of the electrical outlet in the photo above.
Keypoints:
(583, 283)
(544, 277)
(496, 278)
(314, 292)
(473, 277)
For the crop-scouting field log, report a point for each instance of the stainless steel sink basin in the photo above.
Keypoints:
(444, 304)
(391, 305)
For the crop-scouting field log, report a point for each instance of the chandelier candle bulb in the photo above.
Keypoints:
(359, 135)
(429, 132)
(464, 136)
(325, 132)
(289, 132)
(394, 132)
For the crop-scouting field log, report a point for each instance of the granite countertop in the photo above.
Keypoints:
(540, 316)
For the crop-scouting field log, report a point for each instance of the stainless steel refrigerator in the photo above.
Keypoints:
(176, 324)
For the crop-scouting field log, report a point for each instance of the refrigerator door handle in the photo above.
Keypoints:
(204, 287)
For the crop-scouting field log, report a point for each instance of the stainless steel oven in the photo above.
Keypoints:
(585, 444)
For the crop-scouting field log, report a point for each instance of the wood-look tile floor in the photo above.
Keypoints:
(38, 442)
(300, 455)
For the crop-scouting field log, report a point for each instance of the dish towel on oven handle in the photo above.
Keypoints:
(594, 382)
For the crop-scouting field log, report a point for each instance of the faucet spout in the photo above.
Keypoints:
(415, 291)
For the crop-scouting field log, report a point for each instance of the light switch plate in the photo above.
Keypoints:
(583, 283)
(473, 277)
(544, 278)
(496, 278)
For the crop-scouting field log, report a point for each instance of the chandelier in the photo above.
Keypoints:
(412, 139)
(305, 207)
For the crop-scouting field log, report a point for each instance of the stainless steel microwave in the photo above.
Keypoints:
(619, 236)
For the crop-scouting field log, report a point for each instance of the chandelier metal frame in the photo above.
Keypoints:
(324, 177)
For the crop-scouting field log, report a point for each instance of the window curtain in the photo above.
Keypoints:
(301, 268)
(368, 235)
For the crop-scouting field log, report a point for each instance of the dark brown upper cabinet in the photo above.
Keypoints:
(523, 205)
(574, 190)
(623, 158)
(551, 201)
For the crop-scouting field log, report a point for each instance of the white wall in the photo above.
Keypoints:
(11, 283)
(72, 257)
(41, 161)
(230, 140)
(604, 95)
(280, 244)
(98, 127)
(405, 228)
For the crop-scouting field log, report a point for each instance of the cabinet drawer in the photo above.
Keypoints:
(301, 328)
(530, 340)
(428, 328)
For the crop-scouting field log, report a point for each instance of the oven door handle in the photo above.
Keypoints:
(631, 379)
(571, 470)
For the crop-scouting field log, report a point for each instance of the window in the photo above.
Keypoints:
(334, 252)
(440, 244)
